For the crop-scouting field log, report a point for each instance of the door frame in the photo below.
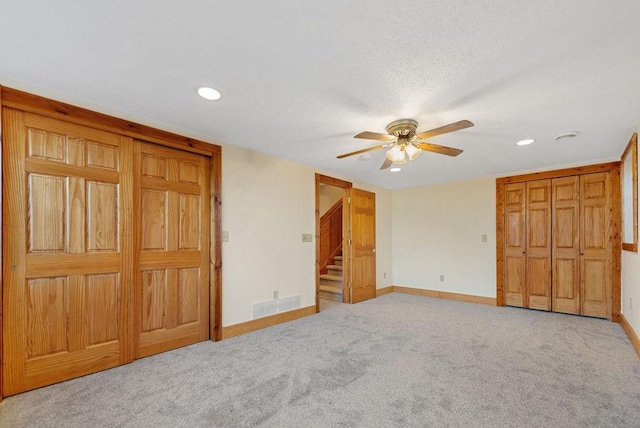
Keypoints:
(346, 234)
(616, 217)
(66, 112)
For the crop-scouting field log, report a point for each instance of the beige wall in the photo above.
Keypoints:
(329, 195)
(267, 204)
(631, 288)
(437, 231)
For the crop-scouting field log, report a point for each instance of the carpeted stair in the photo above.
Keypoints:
(331, 282)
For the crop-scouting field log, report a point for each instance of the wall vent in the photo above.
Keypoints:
(275, 306)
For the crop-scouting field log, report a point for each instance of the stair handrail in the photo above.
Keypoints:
(330, 212)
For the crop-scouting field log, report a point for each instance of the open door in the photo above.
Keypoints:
(363, 245)
(336, 285)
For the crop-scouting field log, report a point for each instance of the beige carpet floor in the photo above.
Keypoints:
(397, 360)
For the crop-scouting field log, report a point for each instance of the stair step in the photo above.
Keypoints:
(331, 291)
(329, 277)
(331, 288)
(337, 260)
(335, 267)
(330, 296)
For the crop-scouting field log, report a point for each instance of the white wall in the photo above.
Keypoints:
(631, 287)
(437, 231)
(267, 204)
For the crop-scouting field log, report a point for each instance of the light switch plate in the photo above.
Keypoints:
(307, 237)
(225, 236)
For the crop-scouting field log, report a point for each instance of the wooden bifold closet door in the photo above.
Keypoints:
(106, 245)
(528, 244)
(558, 245)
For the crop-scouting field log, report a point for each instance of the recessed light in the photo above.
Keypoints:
(395, 169)
(525, 142)
(209, 93)
(567, 135)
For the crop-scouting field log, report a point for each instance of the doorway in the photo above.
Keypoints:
(331, 210)
(345, 242)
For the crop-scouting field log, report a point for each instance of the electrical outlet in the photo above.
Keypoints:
(441, 278)
(275, 294)
(225, 236)
(384, 275)
(483, 238)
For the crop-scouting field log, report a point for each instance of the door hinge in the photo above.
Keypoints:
(349, 284)
(348, 241)
(348, 199)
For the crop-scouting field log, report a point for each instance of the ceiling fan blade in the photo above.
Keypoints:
(366, 135)
(445, 129)
(361, 151)
(386, 164)
(443, 150)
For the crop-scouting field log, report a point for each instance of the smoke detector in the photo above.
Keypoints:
(567, 136)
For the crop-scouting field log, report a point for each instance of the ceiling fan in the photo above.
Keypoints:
(403, 142)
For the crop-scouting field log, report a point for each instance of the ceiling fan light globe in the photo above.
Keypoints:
(412, 152)
(396, 154)
(389, 155)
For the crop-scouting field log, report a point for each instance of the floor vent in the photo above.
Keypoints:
(274, 306)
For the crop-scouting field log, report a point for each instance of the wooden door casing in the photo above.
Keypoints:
(514, 244)
(363, 245)
(566, 245)
(67, 275)
(172, 237)
(595, 245)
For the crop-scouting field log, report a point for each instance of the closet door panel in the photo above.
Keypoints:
(66, 296)
(172, 229)
(566, 245)
(595, 248)
(538, 245)
(514, 236)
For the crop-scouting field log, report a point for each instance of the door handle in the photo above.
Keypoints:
(374, 250)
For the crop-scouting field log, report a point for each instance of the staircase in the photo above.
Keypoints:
(331, 282)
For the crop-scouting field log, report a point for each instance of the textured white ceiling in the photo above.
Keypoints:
(299, 79)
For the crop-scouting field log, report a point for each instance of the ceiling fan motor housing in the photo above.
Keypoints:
(403, 127)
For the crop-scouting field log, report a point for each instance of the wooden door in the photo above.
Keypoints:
(363, 245)
(538, 270)
(595, 245)
(514, 244)
(172, 243)
(566, 245)
(67, 271)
